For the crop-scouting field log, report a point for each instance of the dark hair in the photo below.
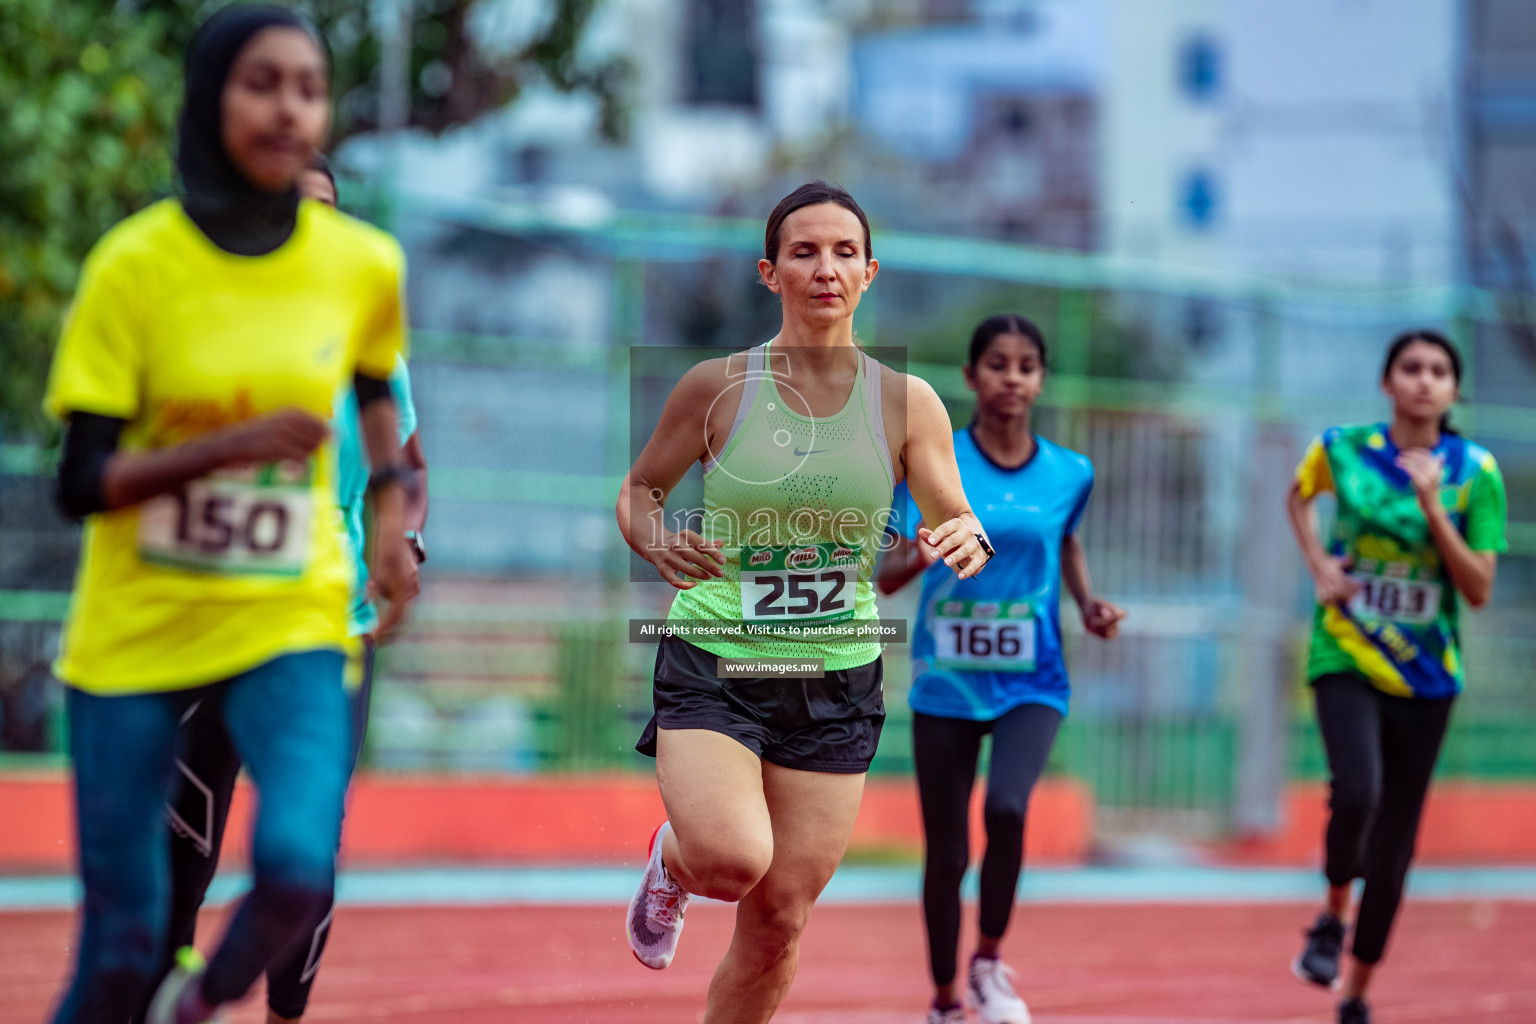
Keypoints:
(1003, 323)
(318, 162)
(1428, 337)
(812, 193)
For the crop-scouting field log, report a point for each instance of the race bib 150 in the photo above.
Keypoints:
(252, 522)
(803, 583)
(996, 636)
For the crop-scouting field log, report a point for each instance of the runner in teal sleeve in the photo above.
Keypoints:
(987, 657)
(208, 763)
(352, 484)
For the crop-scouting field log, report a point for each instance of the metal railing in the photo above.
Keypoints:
(517, 659)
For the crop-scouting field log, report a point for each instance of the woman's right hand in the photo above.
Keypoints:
(1333, 582)
(683, 558)
(924, 552)
(285, 435)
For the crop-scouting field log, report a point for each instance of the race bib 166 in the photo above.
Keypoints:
(997, 636)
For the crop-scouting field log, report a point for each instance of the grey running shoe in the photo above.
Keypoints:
(948, 1015)
(992, 994)
(656, 913)
(1354, 1011)
(1319, 959)
(166, 1007)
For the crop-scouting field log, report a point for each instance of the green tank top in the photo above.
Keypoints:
(799, 506)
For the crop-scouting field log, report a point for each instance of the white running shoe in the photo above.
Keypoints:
(656, 913)
(992, 993)
(953, 1015)
(165, 1007)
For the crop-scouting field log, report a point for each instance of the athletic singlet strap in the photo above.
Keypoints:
(754, 376)
(874, 409)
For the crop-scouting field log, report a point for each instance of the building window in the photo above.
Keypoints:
(1198, 197)
(722, 53)
(1014, 121)
(1200, 68)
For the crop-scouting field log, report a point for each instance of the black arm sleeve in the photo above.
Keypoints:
(89, 442)
(369, 390)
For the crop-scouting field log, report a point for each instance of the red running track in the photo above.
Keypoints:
(1451, 962)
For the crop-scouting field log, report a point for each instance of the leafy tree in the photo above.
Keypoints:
(92, 88)
(90, 103)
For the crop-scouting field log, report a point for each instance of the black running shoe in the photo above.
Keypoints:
(1354, 1011)
(1319, 960)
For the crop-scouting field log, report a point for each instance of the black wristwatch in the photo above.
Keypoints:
(418, 545)
(986, 545)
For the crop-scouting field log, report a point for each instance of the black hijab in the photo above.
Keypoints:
(238, 217)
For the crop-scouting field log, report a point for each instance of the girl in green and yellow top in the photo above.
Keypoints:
(196, 373)
(801, 440)
(1419, 525)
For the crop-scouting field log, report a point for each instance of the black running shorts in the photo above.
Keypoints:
(830, 724)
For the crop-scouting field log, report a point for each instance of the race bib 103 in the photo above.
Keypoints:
(995, 636)
(1391, 595)
(252, 522)
(802, 583)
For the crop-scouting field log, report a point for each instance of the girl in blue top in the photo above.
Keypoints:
(987, 654)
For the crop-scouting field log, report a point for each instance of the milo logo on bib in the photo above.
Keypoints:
(799, 582)
(802, 558)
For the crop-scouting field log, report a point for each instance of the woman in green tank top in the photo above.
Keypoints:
(761, 764)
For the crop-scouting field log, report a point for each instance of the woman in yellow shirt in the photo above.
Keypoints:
(196, 374)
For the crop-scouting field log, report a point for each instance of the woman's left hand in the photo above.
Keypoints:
(956, 542)
(1101, 618)
(1424, 470)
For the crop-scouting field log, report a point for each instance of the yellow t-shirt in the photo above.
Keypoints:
(179, 337)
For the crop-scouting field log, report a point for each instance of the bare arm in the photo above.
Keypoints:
(131, 477)
(414, 459)
(1472, 572)
(1329, 578)
(928, 461)
(392, 565)
(680, 439)
(1100, 617)
(903, 563)
(1074, 571)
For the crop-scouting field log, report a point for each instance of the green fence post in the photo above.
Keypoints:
(589, 670)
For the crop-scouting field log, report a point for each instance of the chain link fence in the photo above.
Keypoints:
(1193, 392)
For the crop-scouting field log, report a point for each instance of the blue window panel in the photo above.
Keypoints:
(1200, 68)
(1199, 198)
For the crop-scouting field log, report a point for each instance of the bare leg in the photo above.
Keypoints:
(721, 842)
(1359, 979)
(1338, 900)
(812, 819)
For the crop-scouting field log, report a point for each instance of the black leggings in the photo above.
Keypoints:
(1381, 754)
(945, 751)
(207, 766)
